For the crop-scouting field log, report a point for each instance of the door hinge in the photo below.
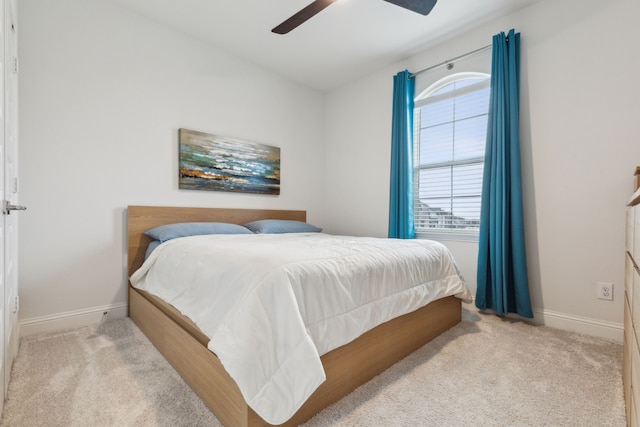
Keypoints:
(15, 65)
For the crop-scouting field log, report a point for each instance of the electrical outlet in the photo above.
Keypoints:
(605, 291)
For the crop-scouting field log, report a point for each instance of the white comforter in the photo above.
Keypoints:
(271, 304)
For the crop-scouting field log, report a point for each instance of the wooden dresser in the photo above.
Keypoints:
(631, 365)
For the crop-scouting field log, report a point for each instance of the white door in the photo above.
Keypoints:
(3, 285)
(9, 163)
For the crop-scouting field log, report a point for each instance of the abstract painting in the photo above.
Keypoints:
(215, 163)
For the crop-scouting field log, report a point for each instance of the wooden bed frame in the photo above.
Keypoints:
(185, 346)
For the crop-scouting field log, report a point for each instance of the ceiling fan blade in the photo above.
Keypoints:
(422, 7)
(302, 16)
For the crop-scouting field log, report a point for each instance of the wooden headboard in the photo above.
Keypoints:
(141, 218)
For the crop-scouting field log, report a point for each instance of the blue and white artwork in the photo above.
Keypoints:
(215, 163)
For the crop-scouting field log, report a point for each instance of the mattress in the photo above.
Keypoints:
(272, 304)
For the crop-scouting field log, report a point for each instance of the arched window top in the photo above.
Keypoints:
(454, 85)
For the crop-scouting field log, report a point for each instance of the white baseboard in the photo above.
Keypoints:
(91, 316)
(71, 319)
(595, 327)
(568, 322)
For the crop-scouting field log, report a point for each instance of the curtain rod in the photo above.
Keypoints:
(412, 75)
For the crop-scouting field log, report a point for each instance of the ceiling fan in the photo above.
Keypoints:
(422, 7)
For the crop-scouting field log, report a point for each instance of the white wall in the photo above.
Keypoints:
(103, 92)
(580, 110)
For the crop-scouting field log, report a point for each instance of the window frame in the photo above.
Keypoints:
(426, 97)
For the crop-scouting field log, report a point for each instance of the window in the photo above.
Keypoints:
(450, 119)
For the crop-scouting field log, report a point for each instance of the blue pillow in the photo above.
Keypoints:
(281, 226)
(184, 229)
(152, 247)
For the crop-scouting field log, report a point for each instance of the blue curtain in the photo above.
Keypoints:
(502, 266)
(401, 194)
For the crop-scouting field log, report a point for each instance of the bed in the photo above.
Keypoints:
(184, 345)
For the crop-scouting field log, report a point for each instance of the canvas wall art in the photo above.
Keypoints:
(215, 163)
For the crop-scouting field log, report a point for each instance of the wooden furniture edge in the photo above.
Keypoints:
(346, 367)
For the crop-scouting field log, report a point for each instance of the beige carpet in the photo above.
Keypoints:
(484, 372)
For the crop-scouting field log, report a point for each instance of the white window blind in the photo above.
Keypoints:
(450, 120)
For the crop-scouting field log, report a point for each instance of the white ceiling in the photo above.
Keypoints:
(344, 41)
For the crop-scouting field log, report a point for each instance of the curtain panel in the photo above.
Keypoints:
(502, 267)
(401, 192)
